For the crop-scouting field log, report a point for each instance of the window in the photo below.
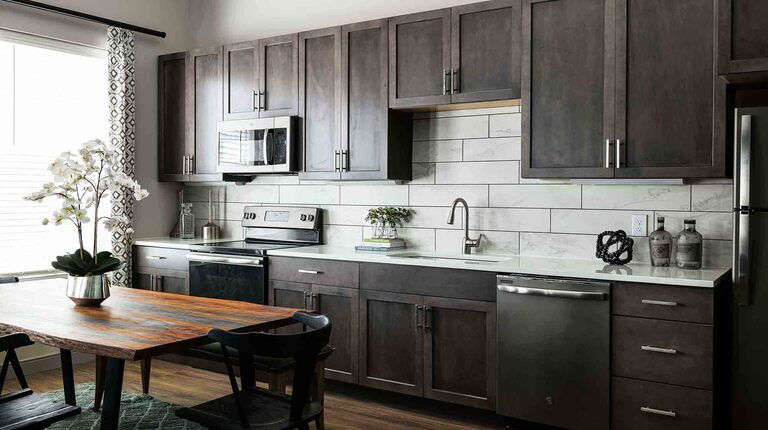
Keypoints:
(53, 97)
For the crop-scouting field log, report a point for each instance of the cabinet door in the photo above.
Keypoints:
(391, 336)
(172, 146)
(420, 59)
(742, 36)
(169, 281)
(365, 121)
(320, 102)
(485, 51)
(204, 82)
(289, 295)
(341, 306)
(241, 80)
(144, 279)
(460, 351)
(279, 75)
(567, 88)
(670, 104)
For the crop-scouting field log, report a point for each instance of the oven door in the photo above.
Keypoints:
(221, 276)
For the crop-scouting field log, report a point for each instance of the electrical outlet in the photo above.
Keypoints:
(639, 225)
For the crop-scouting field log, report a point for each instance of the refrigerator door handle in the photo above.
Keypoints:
(741, 258)
(745, 150)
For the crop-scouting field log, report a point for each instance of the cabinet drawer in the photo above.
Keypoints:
(309, 271)
(664, 302)
(161, 258)
(641, 405)
(662, 351)
(429, 281)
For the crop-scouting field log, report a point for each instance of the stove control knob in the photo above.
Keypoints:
(303, 217)
(310, 217)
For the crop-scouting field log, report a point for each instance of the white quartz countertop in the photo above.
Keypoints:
(508, 264)
(511, 264)
(173, 242)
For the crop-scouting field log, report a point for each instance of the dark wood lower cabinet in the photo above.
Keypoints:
(161, 280)
(460, 351)
(289, 295)
(391, 336)
(341, 306)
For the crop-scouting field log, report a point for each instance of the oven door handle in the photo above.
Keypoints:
(239, 261)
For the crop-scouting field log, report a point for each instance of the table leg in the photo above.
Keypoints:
(146, 369)
(110, 413)
(101, 365)
(68, 376)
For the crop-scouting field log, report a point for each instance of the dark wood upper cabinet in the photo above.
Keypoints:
(204, 100)
(391, 336)
(638, 84)
(670, 104)
(567, 88)
(420, 59)
(743, 39)
(278, 75)
(375, 141)
(172, 142)
(460, 351)
(241, 80)
(320, 103)
(485, 51)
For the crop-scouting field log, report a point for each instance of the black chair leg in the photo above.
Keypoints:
(4, 371)
(11, 355)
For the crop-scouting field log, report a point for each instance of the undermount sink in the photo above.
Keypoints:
(468, 259)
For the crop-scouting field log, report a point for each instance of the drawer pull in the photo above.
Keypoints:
(310, 272)
(648, 410)
(658, 303)
(661, 350)
(154, 257)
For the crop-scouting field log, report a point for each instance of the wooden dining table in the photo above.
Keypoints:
(132, 324)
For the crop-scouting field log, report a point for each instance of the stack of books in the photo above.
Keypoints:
(381, 245)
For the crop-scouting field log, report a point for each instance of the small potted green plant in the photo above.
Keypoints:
(80, 181)
(385, 220)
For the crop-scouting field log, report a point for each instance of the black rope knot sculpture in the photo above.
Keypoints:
(623, 252)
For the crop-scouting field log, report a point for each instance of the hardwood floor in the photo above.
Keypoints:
(347, 407)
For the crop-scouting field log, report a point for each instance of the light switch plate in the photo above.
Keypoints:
(639, 225)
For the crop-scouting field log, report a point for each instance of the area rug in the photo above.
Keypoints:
(137, 412)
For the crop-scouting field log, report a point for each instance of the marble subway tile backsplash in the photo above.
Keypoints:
(475, 154)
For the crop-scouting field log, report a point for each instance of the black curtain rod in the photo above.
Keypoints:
(86, 16)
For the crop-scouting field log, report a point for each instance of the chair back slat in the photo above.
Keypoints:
(303, 347)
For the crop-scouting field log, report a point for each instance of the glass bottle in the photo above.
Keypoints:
(186, 222)
(689, 246)
(660, 244)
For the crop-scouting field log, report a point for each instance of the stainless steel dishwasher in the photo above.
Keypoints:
(553, 347)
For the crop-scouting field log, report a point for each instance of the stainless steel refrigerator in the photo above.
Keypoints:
(749, 337)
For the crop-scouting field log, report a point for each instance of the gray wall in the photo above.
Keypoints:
(475, 154)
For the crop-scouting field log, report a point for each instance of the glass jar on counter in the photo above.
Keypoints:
(689, 246)
(660, 244)
(186, 222)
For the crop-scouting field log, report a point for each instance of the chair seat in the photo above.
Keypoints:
(26, 410)
(212, 351)
(266, 411)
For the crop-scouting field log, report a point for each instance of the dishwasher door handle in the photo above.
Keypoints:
(564, 294)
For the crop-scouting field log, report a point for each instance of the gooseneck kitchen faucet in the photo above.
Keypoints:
(467, 242)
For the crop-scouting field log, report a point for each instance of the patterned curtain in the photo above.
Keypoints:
(122, 112)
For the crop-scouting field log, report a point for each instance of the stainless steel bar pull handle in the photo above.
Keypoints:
(658, 302)
(336, 162)
(418, 316)
(659, 350)
(741, 268)
(564, 294)
(345, 161)
(648, 410)
(310, 272)
(255, 101)
(155, 257)
(618, 153)
(454, 81)
(608, 153)
(446, 78)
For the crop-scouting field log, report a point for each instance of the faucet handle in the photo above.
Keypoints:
(474, 243)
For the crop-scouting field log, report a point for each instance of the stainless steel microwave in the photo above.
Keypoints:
(264, 145)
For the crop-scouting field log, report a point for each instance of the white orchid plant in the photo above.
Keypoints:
(81, 180)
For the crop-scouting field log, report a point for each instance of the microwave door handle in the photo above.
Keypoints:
(741, 258)
(264, 146)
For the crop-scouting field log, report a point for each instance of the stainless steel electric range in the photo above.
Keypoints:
(238, 269)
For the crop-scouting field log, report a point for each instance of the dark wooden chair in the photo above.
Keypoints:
(250, 407)
(23, 409)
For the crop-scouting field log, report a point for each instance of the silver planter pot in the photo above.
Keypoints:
(88, 290)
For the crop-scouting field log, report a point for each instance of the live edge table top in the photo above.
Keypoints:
(132, 324)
